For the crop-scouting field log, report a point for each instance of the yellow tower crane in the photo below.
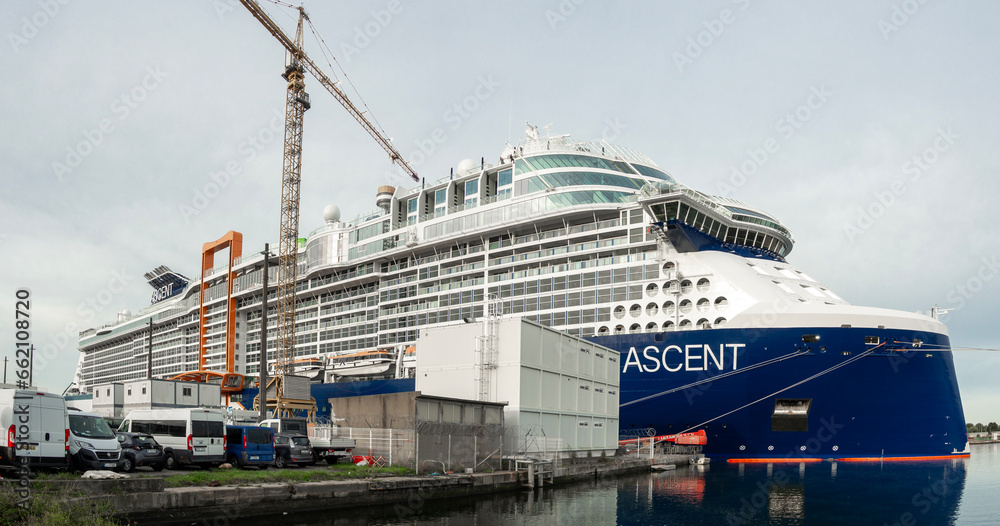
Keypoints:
(280, 398)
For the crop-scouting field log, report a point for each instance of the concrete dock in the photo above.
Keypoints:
(147, 499)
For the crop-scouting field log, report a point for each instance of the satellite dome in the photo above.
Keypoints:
(465, 166)
(331, 214)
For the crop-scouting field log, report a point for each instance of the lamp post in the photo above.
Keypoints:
(262, 383)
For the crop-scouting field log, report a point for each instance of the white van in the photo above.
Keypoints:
(188, 435)
(92, 443)
(43, 417)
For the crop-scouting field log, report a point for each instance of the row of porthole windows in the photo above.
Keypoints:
(669, 308)
(683, 286)
(703, 323)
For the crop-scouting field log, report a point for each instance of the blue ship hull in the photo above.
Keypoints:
(902, 400)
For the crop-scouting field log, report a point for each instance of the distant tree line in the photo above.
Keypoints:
(980, 428)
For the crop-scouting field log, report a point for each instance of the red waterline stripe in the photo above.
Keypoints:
(901, 459)
(771, 460)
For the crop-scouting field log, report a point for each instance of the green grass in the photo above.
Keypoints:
(46, 508)
(239, 477)
(56, 475)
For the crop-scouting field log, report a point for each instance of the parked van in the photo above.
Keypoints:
(188, 435)
(92, 443)
(249, 446)
(43, 416)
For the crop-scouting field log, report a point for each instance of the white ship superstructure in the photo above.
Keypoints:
(580, 236)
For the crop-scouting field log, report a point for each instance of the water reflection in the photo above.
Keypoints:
(820, 493)
(798, 493)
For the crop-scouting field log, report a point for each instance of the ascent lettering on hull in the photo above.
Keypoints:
(674, 358)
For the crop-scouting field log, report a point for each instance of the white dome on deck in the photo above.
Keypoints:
(331, 213)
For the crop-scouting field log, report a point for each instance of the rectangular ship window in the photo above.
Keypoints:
(791, 414)
(871, 340)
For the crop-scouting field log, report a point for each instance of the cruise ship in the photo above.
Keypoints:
(716, 329)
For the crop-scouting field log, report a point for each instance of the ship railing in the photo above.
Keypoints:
(665, 188)
(325, 228)
(563, 143)
(368, 216)
(495, 198)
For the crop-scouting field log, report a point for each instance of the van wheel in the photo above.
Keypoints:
(169, 462)
(128, 465)
(280, 462)
(330, 459)
(234, 462)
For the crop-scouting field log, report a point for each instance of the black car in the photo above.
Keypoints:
(291, 448)
(140, 449)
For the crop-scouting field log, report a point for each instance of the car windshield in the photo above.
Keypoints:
(144, 442)
(301, 441)
(85, 426)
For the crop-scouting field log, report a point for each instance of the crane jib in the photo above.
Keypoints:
(308, 65)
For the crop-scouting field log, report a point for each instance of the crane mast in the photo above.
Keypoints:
(276, 395)
(296, 104)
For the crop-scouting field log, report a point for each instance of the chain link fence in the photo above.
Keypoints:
(425, 446)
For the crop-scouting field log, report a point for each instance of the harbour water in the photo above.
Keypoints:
(954, 491)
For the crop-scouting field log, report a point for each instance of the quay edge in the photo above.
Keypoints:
(179, 504)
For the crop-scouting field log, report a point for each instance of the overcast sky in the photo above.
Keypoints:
(869, 128)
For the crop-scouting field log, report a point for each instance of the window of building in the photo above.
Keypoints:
(504, 178)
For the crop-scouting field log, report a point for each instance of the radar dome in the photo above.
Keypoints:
(331, 214)
(465, 166)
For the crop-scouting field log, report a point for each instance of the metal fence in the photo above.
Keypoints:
(385, 447)
(427, 446)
